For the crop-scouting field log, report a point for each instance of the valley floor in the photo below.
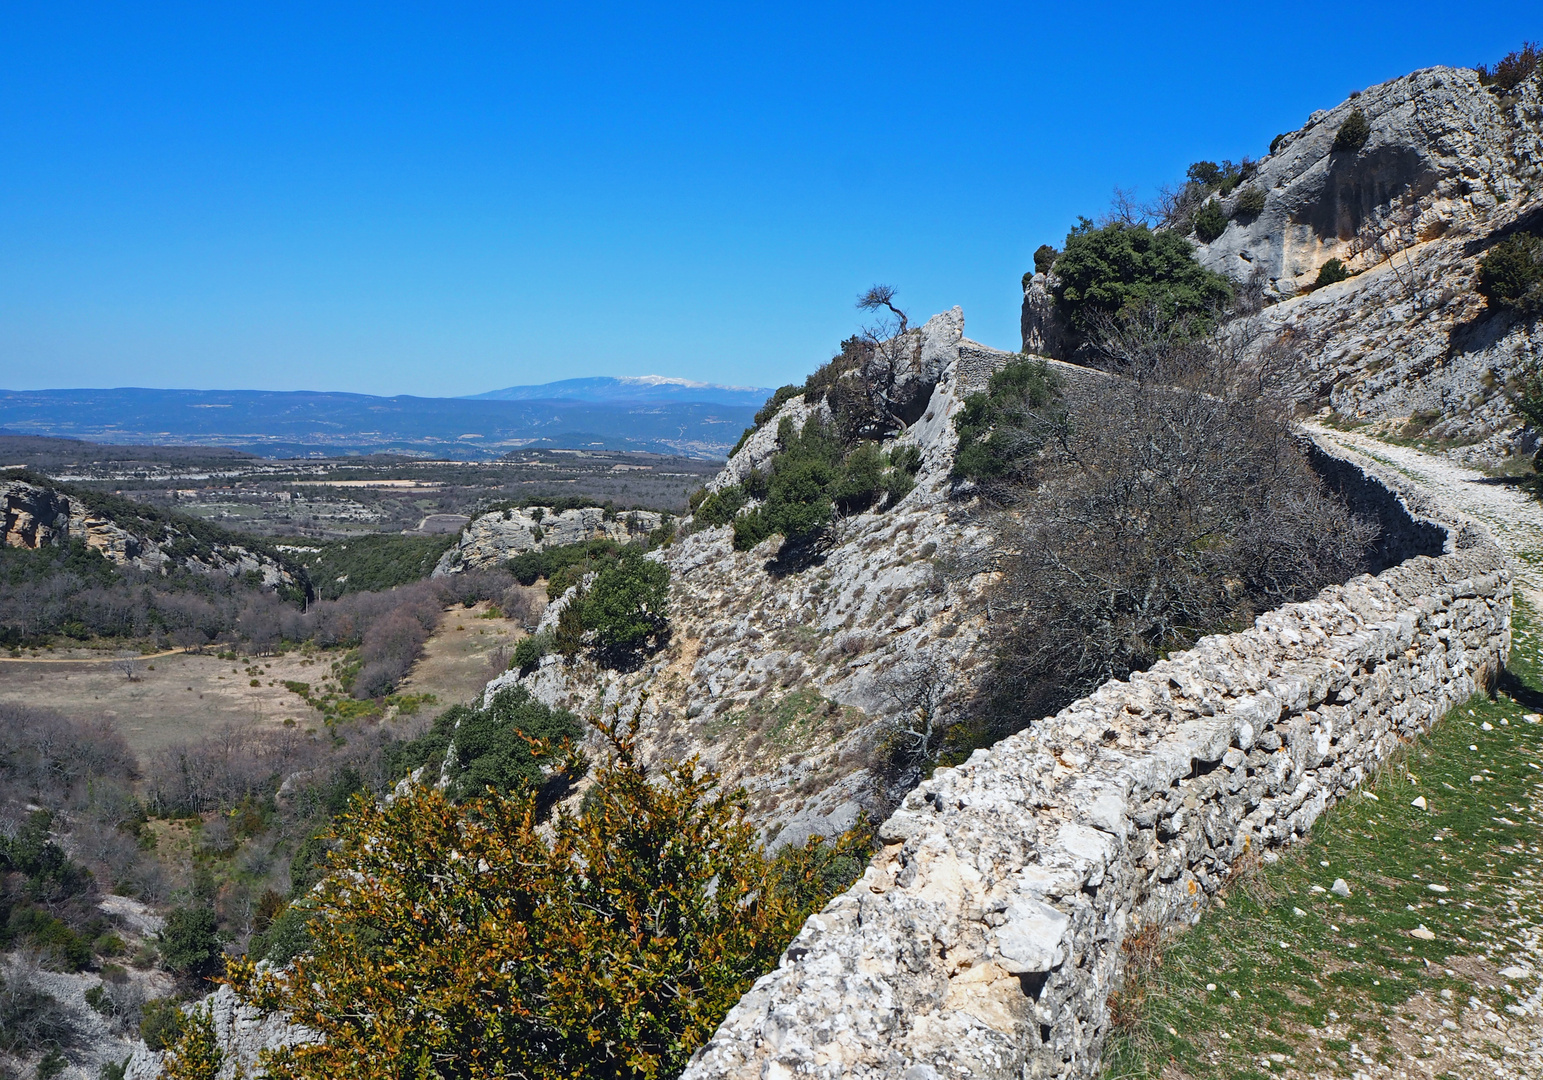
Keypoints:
(1401, 940)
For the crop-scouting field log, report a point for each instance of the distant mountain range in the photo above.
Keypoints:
(647, 413)
(632, 389)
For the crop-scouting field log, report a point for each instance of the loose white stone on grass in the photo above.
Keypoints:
(1433, 887)
(1515, 972)
(1340, 887)
(1419, 802)
(1422, 932)
(1299, 913)
(1487, 726)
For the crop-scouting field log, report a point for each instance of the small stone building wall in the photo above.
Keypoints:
(985, 938)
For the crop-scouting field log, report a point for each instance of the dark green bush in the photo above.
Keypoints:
(161, 1025)
(530, 566)
(569, 638)
(628, 602)
(1210, 221)
(1330, 272)
(1512, 71)
(190, 943)
(1275, 142)
(1128, 268)
(1044, 258)
(1002, 429)
(1354, 132)
(50, 936)
(1250, 203)
(1511, 274)
(492, 744)
(1207, 173)
(287, 936)
(529, 651)
(50, 873)
(720, 507)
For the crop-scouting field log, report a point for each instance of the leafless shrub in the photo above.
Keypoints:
(225, 767)
(48, 758)
(853, 643)
(30, 1017)
(1179, 502)
(915, 694)
(215, 837)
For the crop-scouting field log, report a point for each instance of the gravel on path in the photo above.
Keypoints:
(1451, 1037)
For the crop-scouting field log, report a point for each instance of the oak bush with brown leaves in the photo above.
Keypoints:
(477, 940)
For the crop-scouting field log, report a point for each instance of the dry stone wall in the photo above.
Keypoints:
(985, 938)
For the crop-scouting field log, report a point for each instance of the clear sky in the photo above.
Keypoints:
(448, 198)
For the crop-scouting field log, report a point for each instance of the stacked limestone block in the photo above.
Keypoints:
(985, 938)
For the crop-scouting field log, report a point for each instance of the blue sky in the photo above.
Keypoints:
(445, 199)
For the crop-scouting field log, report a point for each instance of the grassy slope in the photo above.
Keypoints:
(1336, 984)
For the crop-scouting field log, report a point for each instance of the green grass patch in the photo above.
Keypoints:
(796, 718)
(1285, 967)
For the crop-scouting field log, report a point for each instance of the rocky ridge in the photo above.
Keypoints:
(1450, 167)
(985, 937)
(492, 539)
(36, 516)
(789, 680)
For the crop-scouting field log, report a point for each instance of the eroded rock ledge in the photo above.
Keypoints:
(984, 939)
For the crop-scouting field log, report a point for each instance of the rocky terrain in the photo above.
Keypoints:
(797, 674)
(790, 679)
(494, 538)
(36, 515)
(1450, 167)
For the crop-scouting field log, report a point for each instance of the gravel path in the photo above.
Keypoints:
(1498, 1034)
(1514, 518)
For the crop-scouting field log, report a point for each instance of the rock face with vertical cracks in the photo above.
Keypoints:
(1443, 149)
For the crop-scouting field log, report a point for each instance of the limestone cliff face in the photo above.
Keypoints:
(36, 516)
(788, 680)
(1444, 153)
(494, 538)
(1450, 167)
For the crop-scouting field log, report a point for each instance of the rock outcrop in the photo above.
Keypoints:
(494, 538)
(986, 936)
(35, 515)
(241, 1031)
(1444, 152)
(1449, 168)
(789, 683)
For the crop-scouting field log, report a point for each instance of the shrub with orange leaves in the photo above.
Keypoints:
(476, 940)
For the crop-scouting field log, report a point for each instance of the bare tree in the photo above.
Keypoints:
(1389, 235)
(882, 296)
(128, 667)
(1124, 209)
(915, 693)
(1176, 502)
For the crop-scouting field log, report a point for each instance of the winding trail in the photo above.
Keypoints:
(1514, 518)
(1450, 1038)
